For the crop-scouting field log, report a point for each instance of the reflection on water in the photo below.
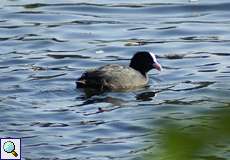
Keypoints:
(46, 45)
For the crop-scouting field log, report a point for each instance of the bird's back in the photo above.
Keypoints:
(112, 77)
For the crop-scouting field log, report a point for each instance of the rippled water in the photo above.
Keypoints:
(46, 45)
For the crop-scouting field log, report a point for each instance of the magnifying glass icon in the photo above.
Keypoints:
(9, 147)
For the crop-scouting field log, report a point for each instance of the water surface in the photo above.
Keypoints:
(46, 45)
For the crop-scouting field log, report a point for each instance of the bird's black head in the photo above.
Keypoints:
(144, 61)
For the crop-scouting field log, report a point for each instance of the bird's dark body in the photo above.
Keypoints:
(118, 77)
(112, 77)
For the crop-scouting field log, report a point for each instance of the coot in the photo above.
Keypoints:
(118, 77)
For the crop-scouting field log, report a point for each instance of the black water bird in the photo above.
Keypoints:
(119, 77)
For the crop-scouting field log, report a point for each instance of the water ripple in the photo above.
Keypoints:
(47, 45)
